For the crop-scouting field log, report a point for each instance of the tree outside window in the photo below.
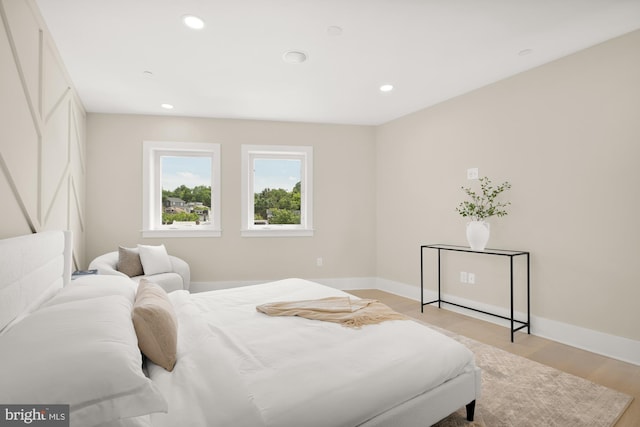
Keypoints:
(277, 196)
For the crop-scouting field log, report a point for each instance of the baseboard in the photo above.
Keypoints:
(624, 349)
(620, 348)
(197, 287)
(350, 283)
(337, 283)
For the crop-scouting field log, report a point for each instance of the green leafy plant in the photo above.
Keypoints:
(168, 218)
(484, 205)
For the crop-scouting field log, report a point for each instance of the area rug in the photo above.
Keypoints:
(518, 392)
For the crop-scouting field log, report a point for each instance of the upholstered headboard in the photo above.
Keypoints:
(32, 269)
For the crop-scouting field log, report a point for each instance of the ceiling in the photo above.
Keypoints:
(131, 56)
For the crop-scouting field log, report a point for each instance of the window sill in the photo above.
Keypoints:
(277, 232)
(181, 233)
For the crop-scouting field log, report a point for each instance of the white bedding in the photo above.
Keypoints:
(236, 367)
(243, 368)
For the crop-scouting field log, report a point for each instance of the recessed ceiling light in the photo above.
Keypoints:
(147, 73)
(525, 52)
(167, 106)
(294, 57)
(334, 30)
(193, 22)
(386, 88)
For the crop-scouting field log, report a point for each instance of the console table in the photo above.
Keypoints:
(499, 252)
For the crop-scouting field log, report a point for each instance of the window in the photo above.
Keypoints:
(277, 191)
(181, 189)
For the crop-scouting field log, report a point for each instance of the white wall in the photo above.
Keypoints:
(567, 136)
(344, 197)
(42, 136)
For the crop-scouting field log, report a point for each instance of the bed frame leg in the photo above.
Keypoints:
(471, 409)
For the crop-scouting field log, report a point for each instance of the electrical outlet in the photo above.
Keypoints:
(319, 262)
(472, 173)
(463, 277)
(471, 278)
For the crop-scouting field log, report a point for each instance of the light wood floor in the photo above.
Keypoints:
(608, 372)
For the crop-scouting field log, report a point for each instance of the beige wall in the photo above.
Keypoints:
(567, 136)
(344, 197)
(42, 137)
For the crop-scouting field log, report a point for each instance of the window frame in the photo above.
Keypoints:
(303, 153)
(152, 188)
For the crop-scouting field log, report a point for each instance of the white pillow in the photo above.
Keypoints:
(94, 286)
(155, 259)
(82, 353)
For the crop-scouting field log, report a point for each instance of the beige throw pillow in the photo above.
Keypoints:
(129, 262)
(156, 324)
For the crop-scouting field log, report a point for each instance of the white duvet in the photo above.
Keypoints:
(238, 367)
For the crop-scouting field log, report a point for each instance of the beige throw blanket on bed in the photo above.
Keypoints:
(353, 313)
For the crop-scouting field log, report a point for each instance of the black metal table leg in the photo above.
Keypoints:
(421, 281)
(439, 296)
(528, 297)
(511, 285)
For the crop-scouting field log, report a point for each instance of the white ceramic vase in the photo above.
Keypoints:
(477, 234)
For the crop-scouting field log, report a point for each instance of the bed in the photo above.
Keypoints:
(73, 342)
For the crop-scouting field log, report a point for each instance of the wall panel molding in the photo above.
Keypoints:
(33, 223)
(42, 151)
(17, 22)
